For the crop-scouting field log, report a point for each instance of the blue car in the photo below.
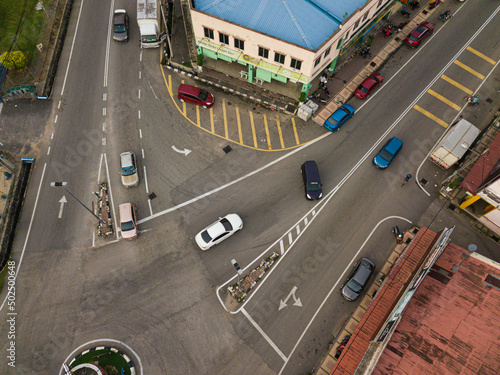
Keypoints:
(337, 119)
(388, 153)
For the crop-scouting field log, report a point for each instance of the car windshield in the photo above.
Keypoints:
(313, 186)
(120, 28)
(128, 171)
(345, 110)
(203, 95)
(227, 225)
(355, 286)
(413, 38)
(386, 155)
(206, 237)
(128, 225)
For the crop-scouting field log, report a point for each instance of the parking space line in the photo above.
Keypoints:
(469, 69)
(484, 57)
(290, 239)
(282, 247)
(239, 124)
(267, 132)
(198, 116)
(295, 131)
(457, 85)
(278, 125)
(225, 118)
(444, 100)
(431, 116)
(253, 129)
(212, 127)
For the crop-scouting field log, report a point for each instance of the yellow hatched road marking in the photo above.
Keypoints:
(456, 84)
(253, 130)
(444, 100)
(239, 125)
(212, 127)
(295, 131)
(470, 70)
(225, 118)
(484, 57)
(431, 116)
(267, 132)
(198, 116)
(279, 131)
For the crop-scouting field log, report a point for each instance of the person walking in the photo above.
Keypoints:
(407, 178)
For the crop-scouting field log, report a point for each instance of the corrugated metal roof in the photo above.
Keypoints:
(302, 22)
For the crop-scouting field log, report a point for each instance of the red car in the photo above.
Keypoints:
(421, 32)
(195, 95)
(368, 85)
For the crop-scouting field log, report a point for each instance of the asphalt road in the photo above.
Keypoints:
(158, 294)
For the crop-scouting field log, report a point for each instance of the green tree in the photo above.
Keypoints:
(14, 60)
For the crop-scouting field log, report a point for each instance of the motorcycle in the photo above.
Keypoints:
(432, 5)
(398, 234)
(414, 5)
(387, 32)
(317, 96)
(405, 13)
(343, 343)
(472, 100)
(445, 16)
(325, 88)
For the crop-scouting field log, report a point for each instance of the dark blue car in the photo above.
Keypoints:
(339, 117)
(388, 153)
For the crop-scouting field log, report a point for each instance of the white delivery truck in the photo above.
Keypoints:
(148, 19)
(454, 144)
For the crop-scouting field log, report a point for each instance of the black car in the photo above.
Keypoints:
(358, 279)
(120, 25)
(312, 183)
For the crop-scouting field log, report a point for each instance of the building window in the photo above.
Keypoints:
(209, 33)
(279, 58)
(380, 3)
(347, 35)
(263, 52)
(238, 43)
(364, 17)
(223, 38)
(327, 52)
(317, 61)
(296, 64)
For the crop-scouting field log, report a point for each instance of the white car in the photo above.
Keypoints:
(130, 177)
(219, 231)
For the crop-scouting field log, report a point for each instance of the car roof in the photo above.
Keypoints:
(393, 144)
(188, 89)
(119, 17)
(364, 270)
(311, 170)
(126, 159)
(125, 212)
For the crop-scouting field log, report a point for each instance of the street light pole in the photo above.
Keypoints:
(63, 184)
(238, 270)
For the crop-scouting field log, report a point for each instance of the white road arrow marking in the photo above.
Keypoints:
(186, 152)
(291, 294)
(62, 201)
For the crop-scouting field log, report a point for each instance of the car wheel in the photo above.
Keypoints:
(181, 100)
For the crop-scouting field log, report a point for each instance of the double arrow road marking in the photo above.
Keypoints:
(291, 294)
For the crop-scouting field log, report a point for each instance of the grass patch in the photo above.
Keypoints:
(111, 362)
(3, 275)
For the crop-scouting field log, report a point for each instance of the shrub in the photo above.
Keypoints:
(14, 60)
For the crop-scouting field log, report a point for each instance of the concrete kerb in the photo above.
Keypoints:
(110, 348)
(186, 71)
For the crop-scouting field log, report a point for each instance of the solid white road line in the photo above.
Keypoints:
(55, 120)
(146, 180)
(282, 247)
(48, 151)
(72, 46)
(99, 170)
(18, 265)
(140, 133)
(108, 41)
(268, 339)
(139, 113)
(150, 208)
(142, 150)
(52, 136)
(290, 238)
(111, 194)
(298, 229)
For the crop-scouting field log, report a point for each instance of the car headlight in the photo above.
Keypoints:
(308, 196)
(320, 195)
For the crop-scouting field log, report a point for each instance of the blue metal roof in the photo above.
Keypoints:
(307, 23)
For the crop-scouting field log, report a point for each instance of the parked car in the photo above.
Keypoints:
(339, 117)
(421, 32)
(368, 85)
(387, 153)
(129, 174)
(312, 182)
(220, 230)
(195, 95)
(358, 279)
(120, 25)
(128, 221)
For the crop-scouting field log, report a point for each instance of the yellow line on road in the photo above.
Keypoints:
(484, 57)
(239, 124)
(225, 118)
(444, 100)
(198, 116)
(267, 132)
(456, 84)
(295, 131)
(279, 131)
(212, 127)
(431, 116)
(184, 105)
(470, 70)
(169, 86)
(253, 130)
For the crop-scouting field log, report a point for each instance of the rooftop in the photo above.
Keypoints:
(305, 23)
